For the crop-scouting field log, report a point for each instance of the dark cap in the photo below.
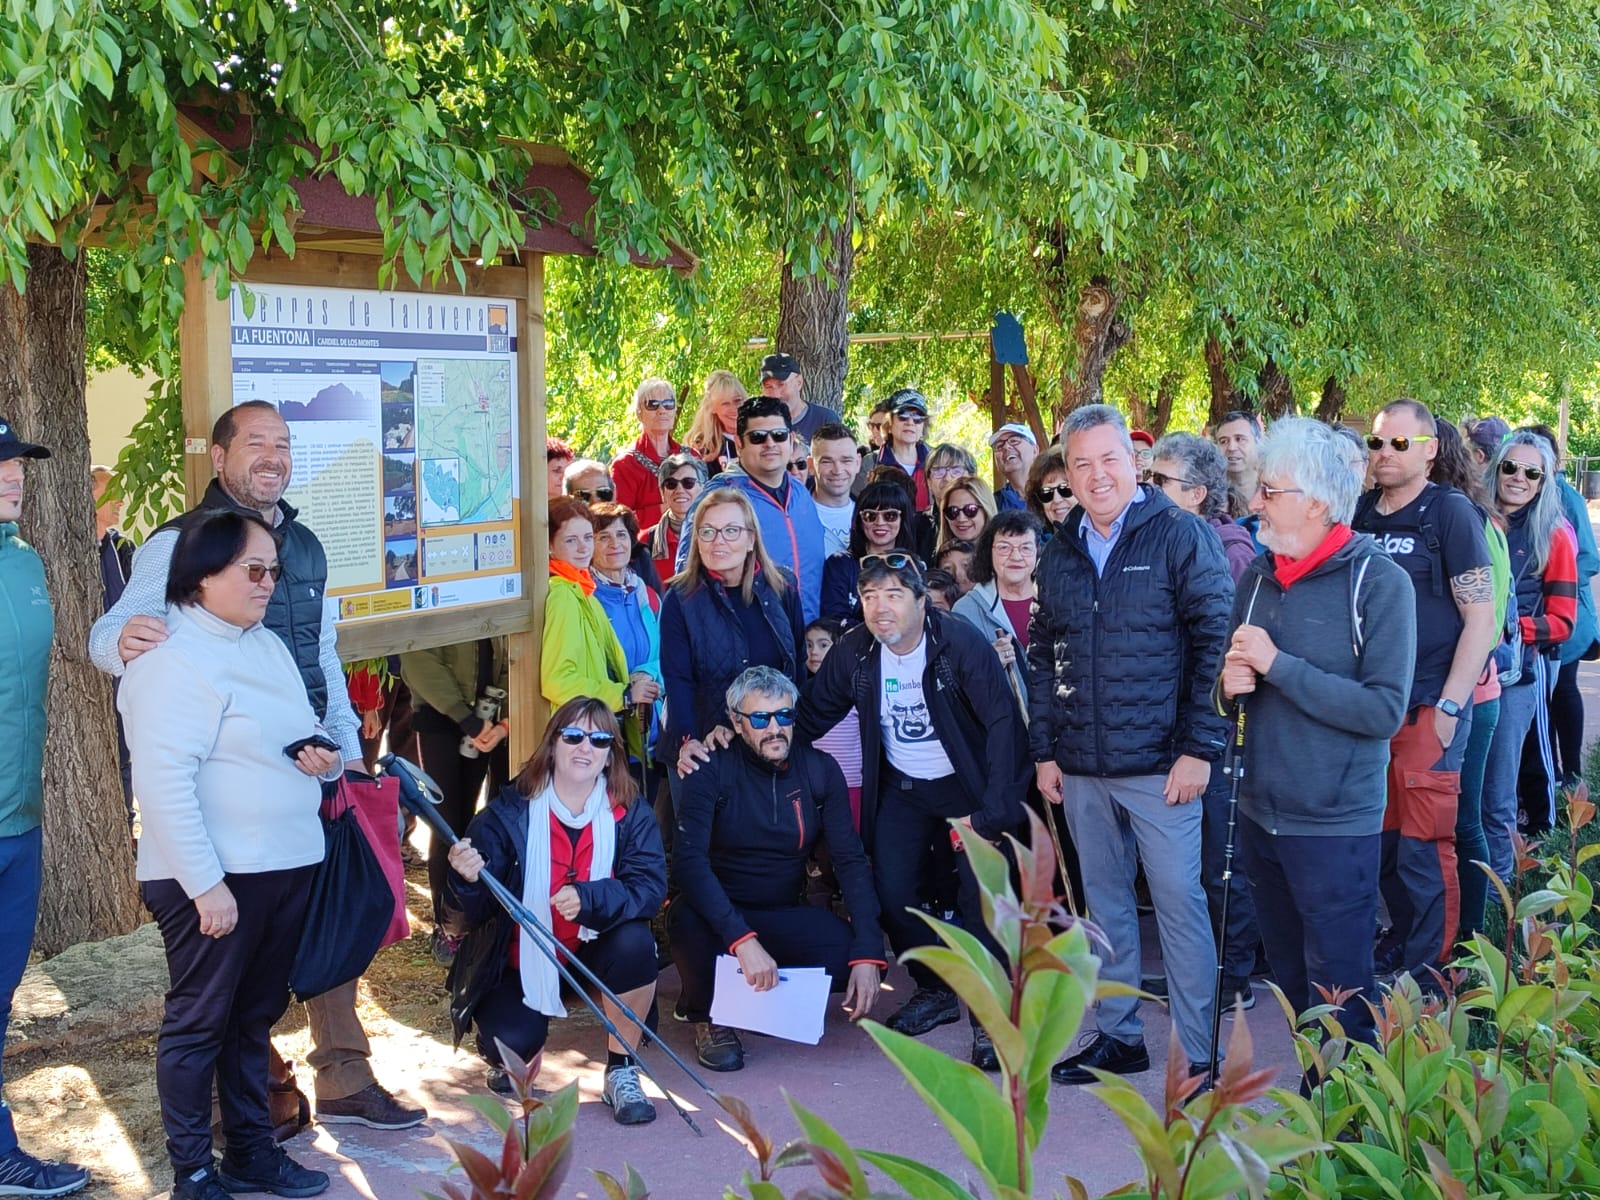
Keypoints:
(908, 398)
(779, 366)
(1486, 433)
(12, 446)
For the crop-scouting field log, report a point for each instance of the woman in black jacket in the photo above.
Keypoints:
(567, 837)
(883, 521)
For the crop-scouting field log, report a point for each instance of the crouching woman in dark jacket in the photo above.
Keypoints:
(569, 839)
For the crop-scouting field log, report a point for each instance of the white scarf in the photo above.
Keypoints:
(541, 984)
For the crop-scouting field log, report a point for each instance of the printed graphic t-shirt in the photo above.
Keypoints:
(909, 740)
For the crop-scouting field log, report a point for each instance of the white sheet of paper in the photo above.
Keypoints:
(793, 1010)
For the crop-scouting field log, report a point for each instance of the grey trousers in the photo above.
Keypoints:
(1118, 823)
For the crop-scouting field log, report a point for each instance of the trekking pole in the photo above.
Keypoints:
(1235, 758)
(416, 792)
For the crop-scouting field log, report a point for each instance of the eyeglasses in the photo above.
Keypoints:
(665, 402)
(952, 511)
(880, 516)
(728, 533)
(761, 719)
(1161, 479)
(571, 735)
(1268, 493)
(898, 560)
(686, 483)
(1507, 468)
(1402, 444)
(603, 495)
(1054, 491)
(946, 472)
(759, 437)
(259, 571)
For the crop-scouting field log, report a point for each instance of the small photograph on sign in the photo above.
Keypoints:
(400, 561)
(399, 473)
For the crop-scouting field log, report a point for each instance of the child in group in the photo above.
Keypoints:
(943, 590)
(843, 742)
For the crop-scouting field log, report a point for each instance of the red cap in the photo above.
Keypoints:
(1145, 436)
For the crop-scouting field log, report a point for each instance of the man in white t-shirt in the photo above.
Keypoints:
(835, 459)
(941, 741)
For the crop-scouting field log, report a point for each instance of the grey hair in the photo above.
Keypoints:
(1545, 513)
(1203, 464)
(1092, 416)
(767, 680)
(673, 463)
(1314, 458)
(582, 466)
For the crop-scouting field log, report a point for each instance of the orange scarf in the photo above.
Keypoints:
(561, 570)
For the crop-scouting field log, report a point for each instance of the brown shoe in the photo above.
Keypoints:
(373, 1107)
(718, 1047)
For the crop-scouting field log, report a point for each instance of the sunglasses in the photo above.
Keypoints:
(880, 516)
(952, 511)
(1057, 491)
(259, 571)
(760, 720)
(896, 561)
(666, 402)
(685, 484)
(799, 467)
(603, 495)
(1161, 479)
(1402, 444)
(912, 415)
(571, 735)
(1507, 468)
(760, 437)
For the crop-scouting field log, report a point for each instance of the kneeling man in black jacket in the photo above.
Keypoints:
(748, 821)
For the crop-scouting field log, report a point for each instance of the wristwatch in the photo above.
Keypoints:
(1448, 707)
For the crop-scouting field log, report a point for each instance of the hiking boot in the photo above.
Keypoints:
(272, 1171)
(1102, 1054)
(983, 1052)
(628, 1103)
(717, 1047)
(21, 1174)
(499, 1082)
(373, 1107)
(928, 1008)
(200, 1185)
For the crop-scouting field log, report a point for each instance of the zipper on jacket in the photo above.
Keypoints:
(800, 823)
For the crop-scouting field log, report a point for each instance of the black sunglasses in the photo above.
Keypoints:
(880, 516)
(1053, 491)
(604, 495)
(759, 437)
(799, 467)
(896, 560)
(598, 738)
(259, 571)
(663, 402)
(760, 720)
(1507, 468)
(1161, 479)
(1402, 444)
(952, 511)
(673, 485)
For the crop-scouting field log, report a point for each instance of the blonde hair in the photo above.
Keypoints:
(650, 389)
(695, 573)
(705, 436)
(980, 492)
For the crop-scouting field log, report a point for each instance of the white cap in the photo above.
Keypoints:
(1016, 427)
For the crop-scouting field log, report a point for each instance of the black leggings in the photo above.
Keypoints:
(1566, 723)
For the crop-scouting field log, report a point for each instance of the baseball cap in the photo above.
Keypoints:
(778, 366)
(1144, 436)
(1016, 427)
(908, 398)
(1486, 433)
(12, 446)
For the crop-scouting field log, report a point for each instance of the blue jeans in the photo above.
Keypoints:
(21, 869)
(1472, 847)
(1519, 704)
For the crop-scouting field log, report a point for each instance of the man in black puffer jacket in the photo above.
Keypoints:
(1127, 633)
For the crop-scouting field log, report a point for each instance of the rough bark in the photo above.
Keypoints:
(1331, 407)
(1098, 332)
(89, 891)
(813, 319)
(1275, 391)
(1166, 392)
(1224, 396)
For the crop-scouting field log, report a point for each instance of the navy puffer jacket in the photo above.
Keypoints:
(1120, 665)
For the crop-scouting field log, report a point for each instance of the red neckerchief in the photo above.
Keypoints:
(571, 574)
(1289, 571)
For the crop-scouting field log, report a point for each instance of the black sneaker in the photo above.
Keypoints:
(274, 1172)
(626, 1099)
(928, 1008)
(717, 1047)
(1103, 1054)
(372, 1106)
(983, 1052)
(1236, 994)
(200, 1185)
(1156, 985)
(499, 1082)
(21, 1174)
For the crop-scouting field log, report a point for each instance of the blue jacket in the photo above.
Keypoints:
(1585, 630)
(792, 534)
(27, 627)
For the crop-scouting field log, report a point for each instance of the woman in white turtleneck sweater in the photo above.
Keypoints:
(230, 839)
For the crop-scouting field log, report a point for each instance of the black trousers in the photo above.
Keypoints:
(795, 936)
(460, 779)
(912, 814)
(624, 957)
(1238, 942)
(224, 997)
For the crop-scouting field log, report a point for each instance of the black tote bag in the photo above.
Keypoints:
(350, 908)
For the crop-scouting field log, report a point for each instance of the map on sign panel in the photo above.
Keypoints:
(463, 439)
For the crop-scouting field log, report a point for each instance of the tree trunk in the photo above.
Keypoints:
(89, 891)
(814, 319)
(1330, 408)
(1275, 391)
(1097, 333)
(1166, 393)
(1224, 397)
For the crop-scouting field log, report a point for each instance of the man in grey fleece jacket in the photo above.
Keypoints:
(1322, 643)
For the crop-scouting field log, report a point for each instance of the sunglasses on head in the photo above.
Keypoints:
(897, 560)
(880, 516)
(1053, 491)
(663, 402)
(673, 485)
(602, 494)
(259, 571)
(760, 437)
(1402, 444)
(1509, 468)
(571, 735)
(1161, 479)
(952, 511)
(761, 719)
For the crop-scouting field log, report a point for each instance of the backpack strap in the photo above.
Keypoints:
(1358, 633)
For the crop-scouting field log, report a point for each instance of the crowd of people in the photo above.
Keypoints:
(790, 674)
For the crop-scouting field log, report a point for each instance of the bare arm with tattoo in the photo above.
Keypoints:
(1473, 593)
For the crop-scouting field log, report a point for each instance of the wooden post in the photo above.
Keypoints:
(528, 711)
(1030, 403)
(205, 355)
